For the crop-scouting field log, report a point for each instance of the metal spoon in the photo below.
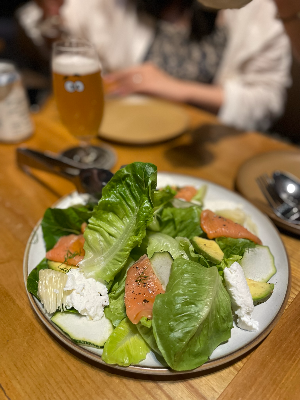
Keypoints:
(86, 180)
(288, 187)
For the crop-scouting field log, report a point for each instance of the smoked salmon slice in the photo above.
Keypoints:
(216, 226)
(68, 250)
(186, 193)
(141, 288)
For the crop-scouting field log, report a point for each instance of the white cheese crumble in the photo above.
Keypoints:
(86, 295)
(241, 299)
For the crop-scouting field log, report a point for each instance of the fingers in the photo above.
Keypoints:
(124, 82)
(145, 79)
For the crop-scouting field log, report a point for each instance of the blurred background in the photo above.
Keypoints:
(32, 59)
(17, 46)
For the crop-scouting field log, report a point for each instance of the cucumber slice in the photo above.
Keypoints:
(258, 264)
(83, 330)
(161, 264)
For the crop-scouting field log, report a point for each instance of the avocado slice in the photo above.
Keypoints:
(58, 266)
(208, 248)
(260, 291)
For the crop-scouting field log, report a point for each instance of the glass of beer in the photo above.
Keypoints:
(78, 91)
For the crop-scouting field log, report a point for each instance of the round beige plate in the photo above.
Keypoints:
(288, 161)
(142, 120)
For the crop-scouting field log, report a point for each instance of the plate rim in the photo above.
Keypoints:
(157, 371)
(276, 220)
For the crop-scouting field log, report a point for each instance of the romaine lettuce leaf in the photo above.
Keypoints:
(146, 322)
(147, 334)
(180, 203)
(125, 345)
(59, 222)
(231, 246)
(189, 250)
(183, 222)
(157, 242)
(119, 221)
(193, 316)
(162, 196)
(226, 263)
(116, 310)
(160, 242)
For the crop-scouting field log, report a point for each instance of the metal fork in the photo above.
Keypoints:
(281, 208)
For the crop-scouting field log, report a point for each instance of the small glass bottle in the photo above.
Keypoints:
(15, 121)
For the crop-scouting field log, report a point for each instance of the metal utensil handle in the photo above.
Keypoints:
(45, 162)
(41, 161)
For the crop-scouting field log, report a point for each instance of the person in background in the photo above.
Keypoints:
(289, 13)
(237, 67)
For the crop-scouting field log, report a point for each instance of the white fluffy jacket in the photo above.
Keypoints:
(254, 71)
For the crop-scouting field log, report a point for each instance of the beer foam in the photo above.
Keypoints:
(73, 64)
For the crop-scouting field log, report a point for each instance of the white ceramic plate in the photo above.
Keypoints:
(267, 314)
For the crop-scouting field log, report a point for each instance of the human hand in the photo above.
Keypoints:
(146, 79)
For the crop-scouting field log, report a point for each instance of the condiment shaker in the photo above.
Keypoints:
(15, 121)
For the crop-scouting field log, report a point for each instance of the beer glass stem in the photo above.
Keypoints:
(89, 154)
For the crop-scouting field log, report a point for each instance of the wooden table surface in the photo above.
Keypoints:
(35, 366)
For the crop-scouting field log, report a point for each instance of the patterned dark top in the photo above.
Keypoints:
(174, 52)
